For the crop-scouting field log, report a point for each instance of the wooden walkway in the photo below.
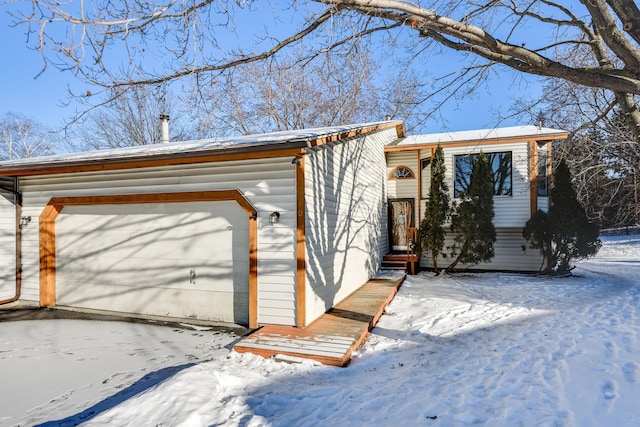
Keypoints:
(336, 334)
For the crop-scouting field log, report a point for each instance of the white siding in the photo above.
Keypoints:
(511, 254)
(7, 247)
(345, 218)
(404, 188)
(269, 184)
(511, 212)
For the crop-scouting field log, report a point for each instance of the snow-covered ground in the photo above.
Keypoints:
(469, 349)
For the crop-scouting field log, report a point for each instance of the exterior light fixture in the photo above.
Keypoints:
(274, 218)
(24, 221)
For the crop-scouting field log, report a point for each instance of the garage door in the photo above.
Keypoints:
(188, 260)
(7, 245)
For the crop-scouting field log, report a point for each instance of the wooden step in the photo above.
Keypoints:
(400, 257)
(405, 262)
(394, 265)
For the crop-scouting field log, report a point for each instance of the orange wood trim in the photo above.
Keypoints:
(56, 204)
(301, 249)
(47, 242)
(413, 175)
(146, 163)
(474, 143)
(533, 177)
(253, 270)
(399, 126)
(194, 196)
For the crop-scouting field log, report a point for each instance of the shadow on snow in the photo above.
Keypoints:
(150, 380)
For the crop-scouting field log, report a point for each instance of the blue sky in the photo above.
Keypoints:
(45, 98)
(40, 97)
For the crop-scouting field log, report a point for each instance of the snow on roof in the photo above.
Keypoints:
(265, 141)
(480, 134)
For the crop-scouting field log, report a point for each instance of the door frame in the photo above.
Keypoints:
(390, 216)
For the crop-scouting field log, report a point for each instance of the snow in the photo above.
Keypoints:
(486, 349)
(274, 140)
(482, 134)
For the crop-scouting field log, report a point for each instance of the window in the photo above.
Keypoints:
(402, 172)
(425, 175)
(501, 168)
(543, 168)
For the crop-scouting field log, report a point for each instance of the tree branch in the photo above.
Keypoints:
(629, 14)
(245, 60)
(474, 39)
(611, 34)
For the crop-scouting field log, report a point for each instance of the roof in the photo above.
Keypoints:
(514, 132)
(277, 143)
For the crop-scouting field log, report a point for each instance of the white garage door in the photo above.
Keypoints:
(7, 246)
(188, 260)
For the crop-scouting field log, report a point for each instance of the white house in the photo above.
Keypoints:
(262, 229)
(521, 161)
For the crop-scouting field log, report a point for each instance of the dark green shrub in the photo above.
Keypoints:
(431, 233)
(564, 234)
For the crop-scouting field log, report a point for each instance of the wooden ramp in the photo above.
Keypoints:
(336, 334)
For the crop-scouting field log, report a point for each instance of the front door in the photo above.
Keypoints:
(401, 218)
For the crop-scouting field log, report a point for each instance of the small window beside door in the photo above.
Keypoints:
(543, 170)
(402, 172)
(425, 177)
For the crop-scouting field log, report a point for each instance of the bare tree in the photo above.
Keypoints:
(21, 137)
(606, 164)
(129, 120)
(331, 89)
(601, 151)
(83, 38)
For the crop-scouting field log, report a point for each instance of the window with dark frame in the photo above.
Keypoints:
(543, 168)
(501, 172)
(425, 174)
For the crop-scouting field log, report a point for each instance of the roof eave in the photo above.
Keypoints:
(170, 159)
(291, 147)
(395, 146)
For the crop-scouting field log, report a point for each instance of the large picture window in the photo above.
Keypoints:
(501, 171)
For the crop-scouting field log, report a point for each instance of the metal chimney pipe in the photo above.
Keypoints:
(164, 119)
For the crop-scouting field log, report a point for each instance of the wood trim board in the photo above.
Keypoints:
(51, 211)
(301, 239)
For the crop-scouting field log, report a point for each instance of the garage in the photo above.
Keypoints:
(253, 229)
(182, 260)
